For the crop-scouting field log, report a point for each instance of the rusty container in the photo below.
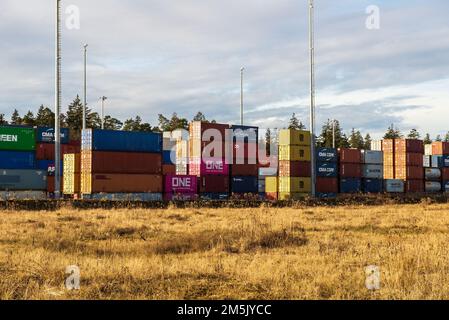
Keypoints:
(295, 169)
(350, 155)
(409, 173)
(350, 170)
(121, 183)
(409, 146)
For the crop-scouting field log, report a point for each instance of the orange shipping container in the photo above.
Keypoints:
(409, 159)
(51, 184)
(409, 145)
(440, 148)
(388, 172)
(388, 145)
(409, 173)
(120, 183)
(388, 159)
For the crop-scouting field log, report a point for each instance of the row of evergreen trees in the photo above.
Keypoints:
(72, 119)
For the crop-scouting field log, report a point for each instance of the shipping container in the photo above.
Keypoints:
(182, 149)
(373, 171)
(294, 153)
(376, 145)
(46, 151)
(121, 183)
(51, 170)
(168, 144)
(294, 185)
(350, 185)
(51, 184)
(134, 196)
(17, 138)
(432, 186)
(440, 161)
(245, 133)
(203, 131)
(292, 196)
(210, 166)
(389, 172)
(21, 160)
(47, 135)
(324, 195)
(350, 155)
(244, 170)
(428, 149)
(244, 185)
(409, 146)
(408, 159)
(168, 169)
(372, 185)
(327, 169)
(445, 186)
(180, 196)
(182, 168)
(268, 172)
(22, 195)
(414, 186)
(350, 170)
(445, 174)
(271, 184)
(327, 155)
(409, 173)
(427, 161)
(71, 183)
(440, 148)
(295, 169)
(268, 161)
(72, 163)
(23, 180)
(326, 185)
(168, 157)
(394, 186)
(181, 184)
(291, 137)
(121, 162)
(214, 196)
(388, 145)
(388, 159)
(261, 185)
(214, 184)
(244, 153)
(129, 141)
(372, 157)
(432, 174)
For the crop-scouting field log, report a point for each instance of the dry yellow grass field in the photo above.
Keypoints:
(263, 253)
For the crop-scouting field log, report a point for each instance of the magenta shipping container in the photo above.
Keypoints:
(181, 184)
(208, 167)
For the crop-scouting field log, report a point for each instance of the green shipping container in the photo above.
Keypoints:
(19, 139)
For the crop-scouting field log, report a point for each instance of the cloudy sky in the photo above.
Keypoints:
(183, 56)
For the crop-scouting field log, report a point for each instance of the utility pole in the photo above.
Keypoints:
(312, 94)
(58, 101)
(85, 87)
(241, 95)
(103, 99)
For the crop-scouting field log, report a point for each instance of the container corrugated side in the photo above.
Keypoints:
(17, 138)
(294, 137)
(23, 180)
(373, 171)
(47, 135)
(271, 184)
(372, 157)
(244, 184)
(394, 186)
(294, 153)
(139, 196)
(181, 184)
(21, 160)
(295, 185)
(121, 183)
(22, 195)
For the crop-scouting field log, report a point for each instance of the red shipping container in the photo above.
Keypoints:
(214, 184)
(197, 130)
(295, 169)
(271, 196)
(412, 186)
(181, 184)
(51, 184)
(440, 148)
(46, 151)
(243, 150)
(445, 174)
(121, 162)
(409, 146)
(350, 155)
(409, 173)
(327, 185)
(388, 145)
(409, 159)
(126, 183)
(168, 169)
(350, 170)
(244, 170)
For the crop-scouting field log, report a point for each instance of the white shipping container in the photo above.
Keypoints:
(432, 186)
(427, 161)
(268, 172)
(394, 186)
(373, 171)
(432, 173)
(372, 157)
(428, 149)
(376, 145)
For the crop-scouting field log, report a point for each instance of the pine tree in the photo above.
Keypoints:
(446, 138)
(28, 119)
(15, 118)
(200, 117)
(368, 141)
(178, 123)
(356, 139)
(164, 123)
(2, 119)
(111, 123)
(427, 139)
(414, 134)
(268, 141)
(325, 139)
(393, 133)
(45, 117)
(438, 138)
(295, 123)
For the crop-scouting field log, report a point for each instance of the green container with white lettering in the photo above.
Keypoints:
(17, 138)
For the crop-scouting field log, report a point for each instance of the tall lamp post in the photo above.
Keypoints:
(312, 94)
(57, 100)
(242, 69)
(103, 99)
(85, 86)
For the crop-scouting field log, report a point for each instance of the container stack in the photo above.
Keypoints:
(294, 181)
(180, 188)
(326, 173)
(391, 184)
(19, 175)
(168, 154)
(72, 178)
(440, 160)
(408, 164)
(264, 174)
(244, 169)
(121, 165)
(182, 155)
(350, 170)
(372, 171)
(207, 159)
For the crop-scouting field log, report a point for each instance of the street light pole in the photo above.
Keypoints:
(312, 94)
(241, 95)
(57, 132)
(103, 98)
(85, 87)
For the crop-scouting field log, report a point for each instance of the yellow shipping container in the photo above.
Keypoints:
(289, 137)
(271, 184)
(72, 163)
(294, 153)
(284, 196)
(86, 183)
(71, 183)
(295, 185)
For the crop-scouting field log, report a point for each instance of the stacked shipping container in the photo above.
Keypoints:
(72, 177)
(440, 161)
(326, 173)
(350, 170)
(408, 163)
(372, 171)
(168, 154)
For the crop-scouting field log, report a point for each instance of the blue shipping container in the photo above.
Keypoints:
(248, 134)
(350, 185)
(327, 155)
(327, 169)
(326, 195)
(446, 186)
(46, 134)
(21, 160)
(214, 196)
(245, 184)
(125, 141)
(44, 164)
(166, 157)
(11, 180)
(372, 185)
(440, 161)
